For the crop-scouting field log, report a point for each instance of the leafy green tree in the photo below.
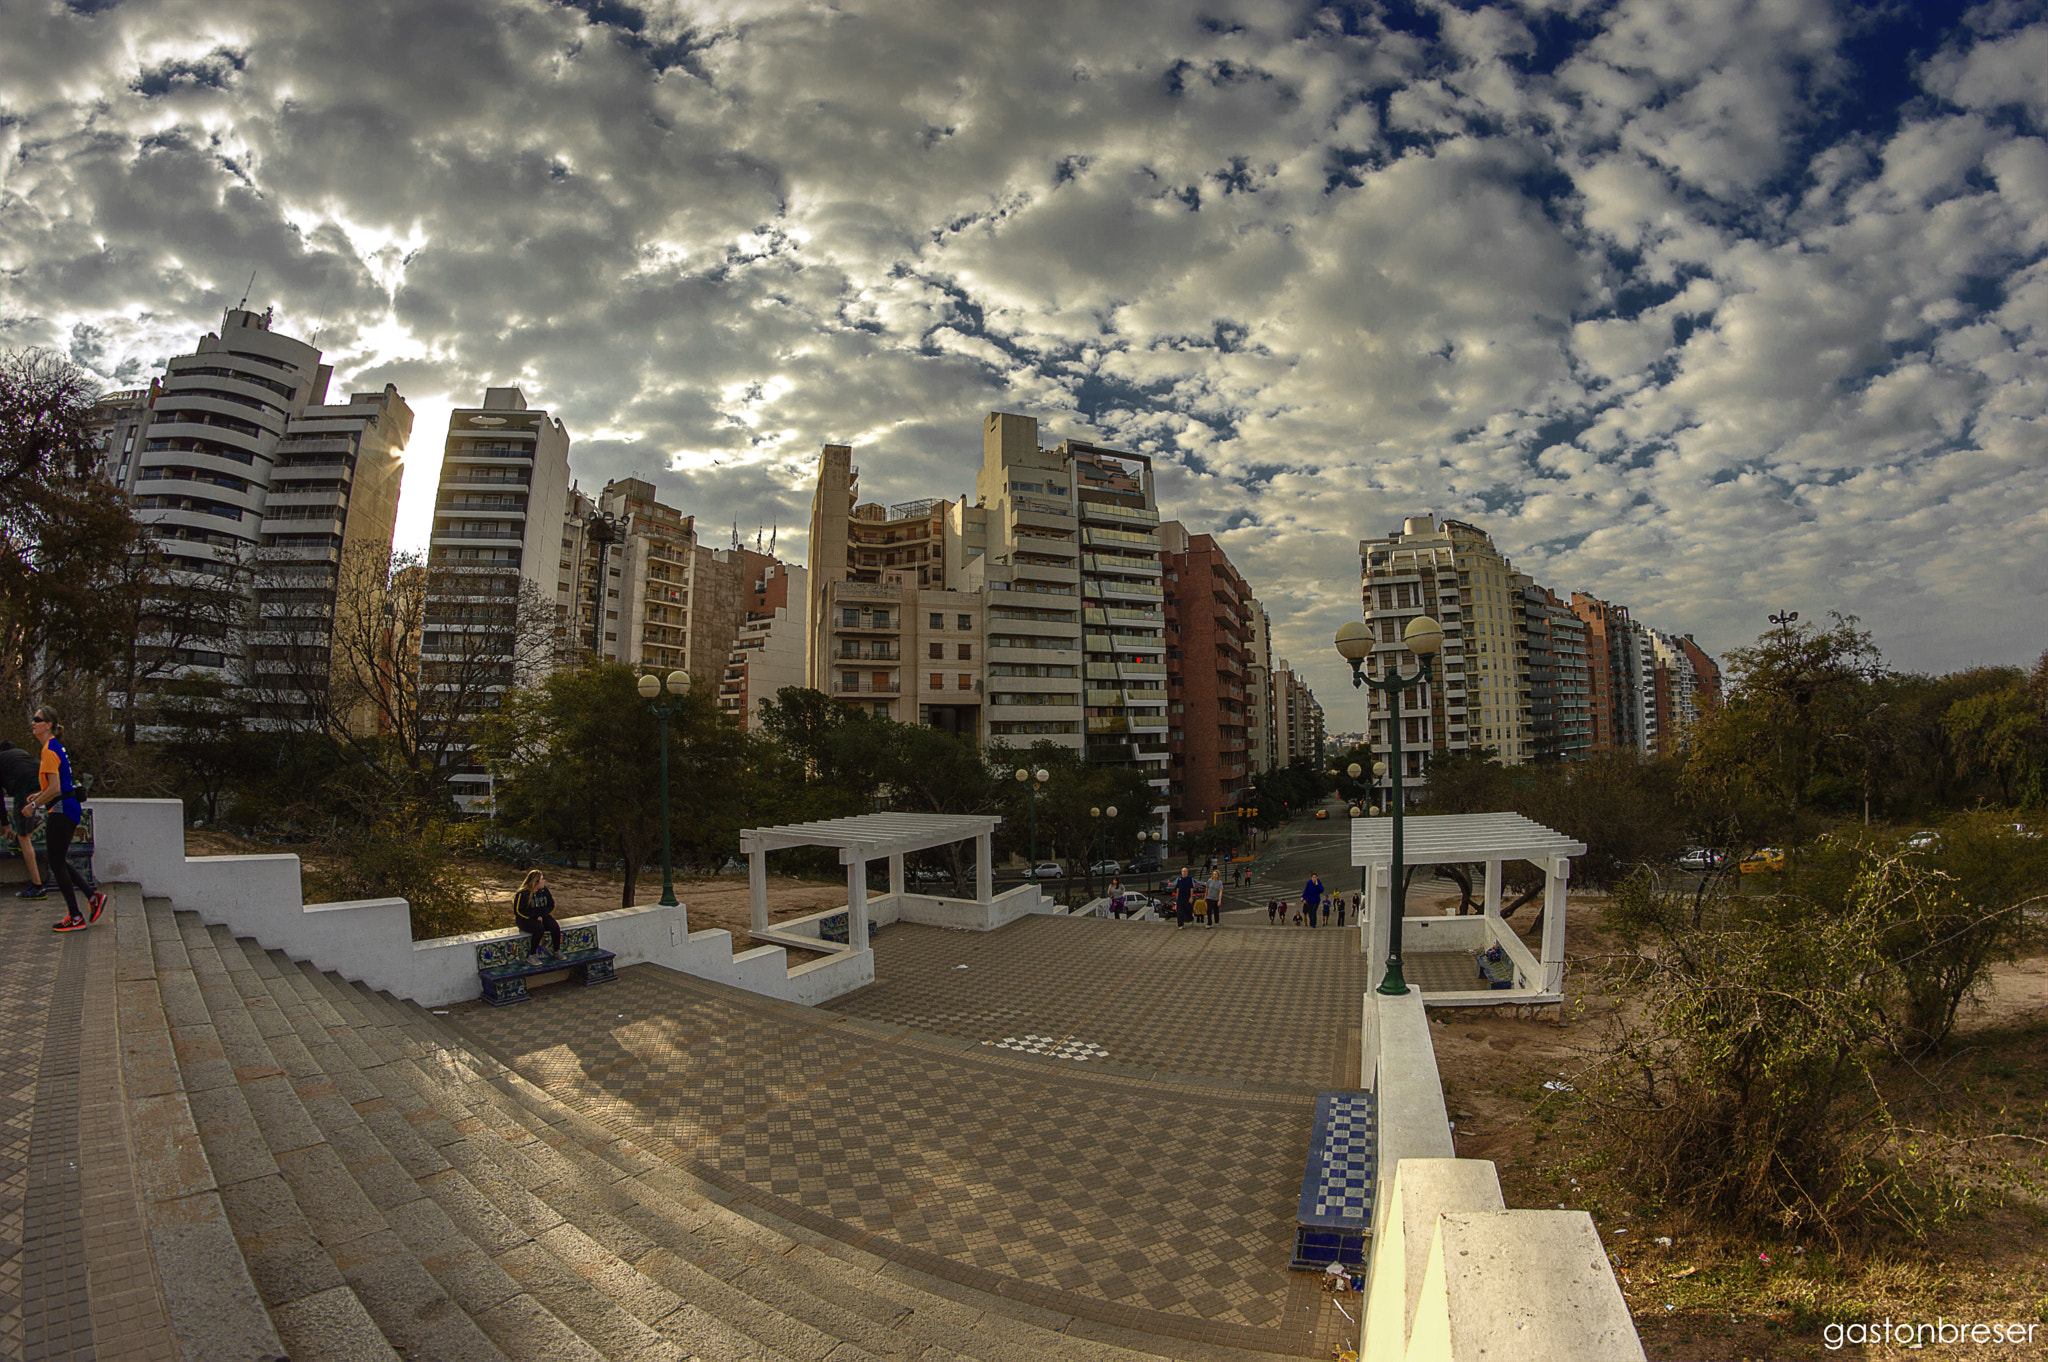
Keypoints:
(583, 745)
(2000, 735)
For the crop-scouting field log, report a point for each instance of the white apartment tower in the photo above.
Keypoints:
(498, 523)
(1412, 572)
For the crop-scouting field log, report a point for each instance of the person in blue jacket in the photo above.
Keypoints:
(1312, 899)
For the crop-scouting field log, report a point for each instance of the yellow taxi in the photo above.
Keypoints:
(1322, 813)
(1763, 858)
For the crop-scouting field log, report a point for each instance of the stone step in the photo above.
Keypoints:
(673, 1228)
(419, 1271)
(528, 1300)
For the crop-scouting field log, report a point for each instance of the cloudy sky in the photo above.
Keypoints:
(1713, 309)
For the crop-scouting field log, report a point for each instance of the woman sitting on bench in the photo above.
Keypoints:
(533, 910)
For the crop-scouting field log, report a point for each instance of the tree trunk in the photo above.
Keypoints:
(1456, 875)
(1526, 897)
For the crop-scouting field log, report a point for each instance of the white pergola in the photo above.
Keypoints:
(1492, 838)
(863, 838)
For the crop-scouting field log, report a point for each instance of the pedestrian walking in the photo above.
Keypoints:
(1272, 912)
(57, 801)
(1340, 910)
(1116, 898)
(1312, 899)
(1184, 896)
(1212, 895)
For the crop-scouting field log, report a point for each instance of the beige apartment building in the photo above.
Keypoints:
(635, 585)
(768, 655)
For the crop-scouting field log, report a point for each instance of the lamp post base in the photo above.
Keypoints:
(1394, 985)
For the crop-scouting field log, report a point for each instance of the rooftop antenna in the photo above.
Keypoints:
(771, 539)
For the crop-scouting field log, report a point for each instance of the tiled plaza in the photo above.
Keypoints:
(1149, 1181)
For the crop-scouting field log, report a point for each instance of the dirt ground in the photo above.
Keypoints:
(1704, 1294)
(717, 902)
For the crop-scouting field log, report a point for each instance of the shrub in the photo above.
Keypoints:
(406, 851)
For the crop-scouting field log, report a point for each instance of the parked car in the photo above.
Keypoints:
(1106, 868)
(1136, 904)
(1145, 865)
(1762, 859)
(1927, 839)
(1046, 870)
(1702, 858)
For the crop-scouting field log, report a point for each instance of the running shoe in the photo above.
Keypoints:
(99, 905)
(70, 924)
(34, 891)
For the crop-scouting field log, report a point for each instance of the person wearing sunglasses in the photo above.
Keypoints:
(59, 804)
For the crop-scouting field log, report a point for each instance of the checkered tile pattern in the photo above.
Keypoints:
(1105, 1182)
(1259, 1005)
(1441, 971)
(1053, 1046)
(1345, 1186)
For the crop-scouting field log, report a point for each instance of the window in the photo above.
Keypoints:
(938, 651)
(938, 681)
(966, 681)
(849, 618)
(967, 652)
(939, 621)
(849, 680)
(966, 621)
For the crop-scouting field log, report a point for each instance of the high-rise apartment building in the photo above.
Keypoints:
(1552, 643)
(494, 558)
(637, 587)
(1123, 615)
(240, 468)
(1260, 745)
(1298, 718)
(768, 655)
(1208, 636)
(884, 631)
(1028, 567)
(1416, 571)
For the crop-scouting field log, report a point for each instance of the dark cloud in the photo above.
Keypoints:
(1708, 308)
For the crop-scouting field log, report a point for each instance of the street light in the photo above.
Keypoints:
(678, 685)
(1103, 816)
(1423, 637)
(1785, 619)
(1037, 780)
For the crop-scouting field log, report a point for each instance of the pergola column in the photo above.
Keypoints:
(984, 868)
(757, 889)
(896, 874)
(856, 902)
(1493, 882)
(1557, 874)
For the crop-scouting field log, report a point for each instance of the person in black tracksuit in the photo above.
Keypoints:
(533, 910)
(1184, 896)
(17, 783)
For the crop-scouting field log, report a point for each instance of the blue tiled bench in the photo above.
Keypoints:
(1335, 1213)
(506, 964)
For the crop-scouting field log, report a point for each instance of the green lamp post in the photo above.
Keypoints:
(1036, 780)
(1423, 637)
(651, 687)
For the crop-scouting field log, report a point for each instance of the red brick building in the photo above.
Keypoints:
(1208, 634)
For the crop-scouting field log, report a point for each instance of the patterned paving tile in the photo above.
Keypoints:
(1160, 1180)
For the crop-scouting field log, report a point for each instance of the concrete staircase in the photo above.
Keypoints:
(395, 1194)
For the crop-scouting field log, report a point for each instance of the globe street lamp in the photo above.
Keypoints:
(1036, 779)
(1102, 817)
(1423, 637)
(678, 685)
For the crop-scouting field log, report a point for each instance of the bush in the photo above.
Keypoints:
(1743, 1086)
(405, 851)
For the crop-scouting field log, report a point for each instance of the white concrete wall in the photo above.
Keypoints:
(1455, 1275)
(143, 841)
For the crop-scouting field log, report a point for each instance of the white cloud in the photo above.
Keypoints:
(1624, 284)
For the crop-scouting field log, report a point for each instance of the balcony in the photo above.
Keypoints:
(888, 686)
(872, 652)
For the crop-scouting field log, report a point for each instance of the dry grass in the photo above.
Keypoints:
(1709, 1294)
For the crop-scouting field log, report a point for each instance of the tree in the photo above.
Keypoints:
(178, 611)
(584, 743)
(63, 533)
(1999, 734)
(392, 659)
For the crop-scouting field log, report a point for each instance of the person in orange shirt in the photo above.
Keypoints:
(59, 804)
